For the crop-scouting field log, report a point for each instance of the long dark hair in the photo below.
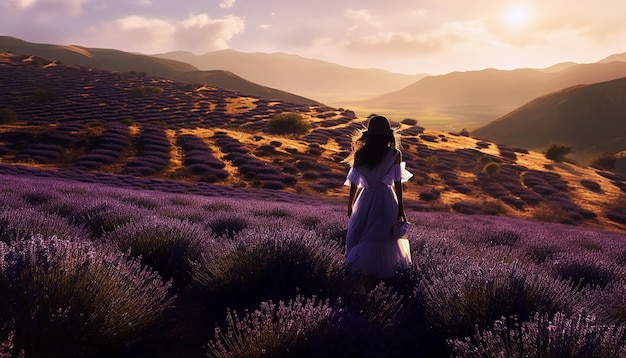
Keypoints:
(370, 149)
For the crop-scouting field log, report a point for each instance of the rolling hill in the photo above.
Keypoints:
(591, 118)
(614, 57)
(324, 81)
(114, 60)
(85, 124)
(479, 97)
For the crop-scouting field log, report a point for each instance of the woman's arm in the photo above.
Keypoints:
(398, 189)
(351, 199)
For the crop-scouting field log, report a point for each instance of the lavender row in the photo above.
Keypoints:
(107, 148)
(163, 185)
(40, 146)
(199, 158)
(253, 169)
(153, 152)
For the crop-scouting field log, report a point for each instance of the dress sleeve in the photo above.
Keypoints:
(397, 172)
(355, 177)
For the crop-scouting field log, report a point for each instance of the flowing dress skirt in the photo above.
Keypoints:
(370, 248)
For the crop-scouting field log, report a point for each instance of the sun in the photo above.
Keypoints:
(518, 16)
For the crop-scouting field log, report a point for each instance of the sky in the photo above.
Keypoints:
(403, 36)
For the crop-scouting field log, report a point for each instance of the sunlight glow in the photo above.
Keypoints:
(517, 16)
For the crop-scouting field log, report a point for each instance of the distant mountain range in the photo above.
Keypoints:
(474, 98)
(590, 118)
(480, 97)
(114, 60)
(324, 81)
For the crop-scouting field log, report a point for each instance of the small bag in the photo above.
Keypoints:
(400, 230)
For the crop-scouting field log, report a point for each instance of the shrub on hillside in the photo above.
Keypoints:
(557, 152)
(288, 123)
(604, 161)
(69, 299)
(409, 121)
(140, 92)
(492, 169)
(548, 212)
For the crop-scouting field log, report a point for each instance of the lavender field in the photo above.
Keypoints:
(92, 125)
(142, 217)
(97, 269)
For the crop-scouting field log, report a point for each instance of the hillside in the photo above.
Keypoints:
(475, 98)
(93, 125)
(324, 81)
(114, 60)
(590, 118)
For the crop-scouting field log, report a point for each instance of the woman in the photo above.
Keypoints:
(375, 203)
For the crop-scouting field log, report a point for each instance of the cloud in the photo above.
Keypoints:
(362, 16)
(47, 8)
(420, 41)
(395, 42)
(227, 4)
(201, 33)
(23, 4)
(197, 33)
(136, 32)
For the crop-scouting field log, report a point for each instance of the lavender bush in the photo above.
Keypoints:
(484, 295)
(72, 298)
(587, 268)
(309, 328)
(167, 245)
(272, 330)
(543, 336)
(102, 216)
(271, 263)
(23, 223)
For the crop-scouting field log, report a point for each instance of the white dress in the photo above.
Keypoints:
(370, 248)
